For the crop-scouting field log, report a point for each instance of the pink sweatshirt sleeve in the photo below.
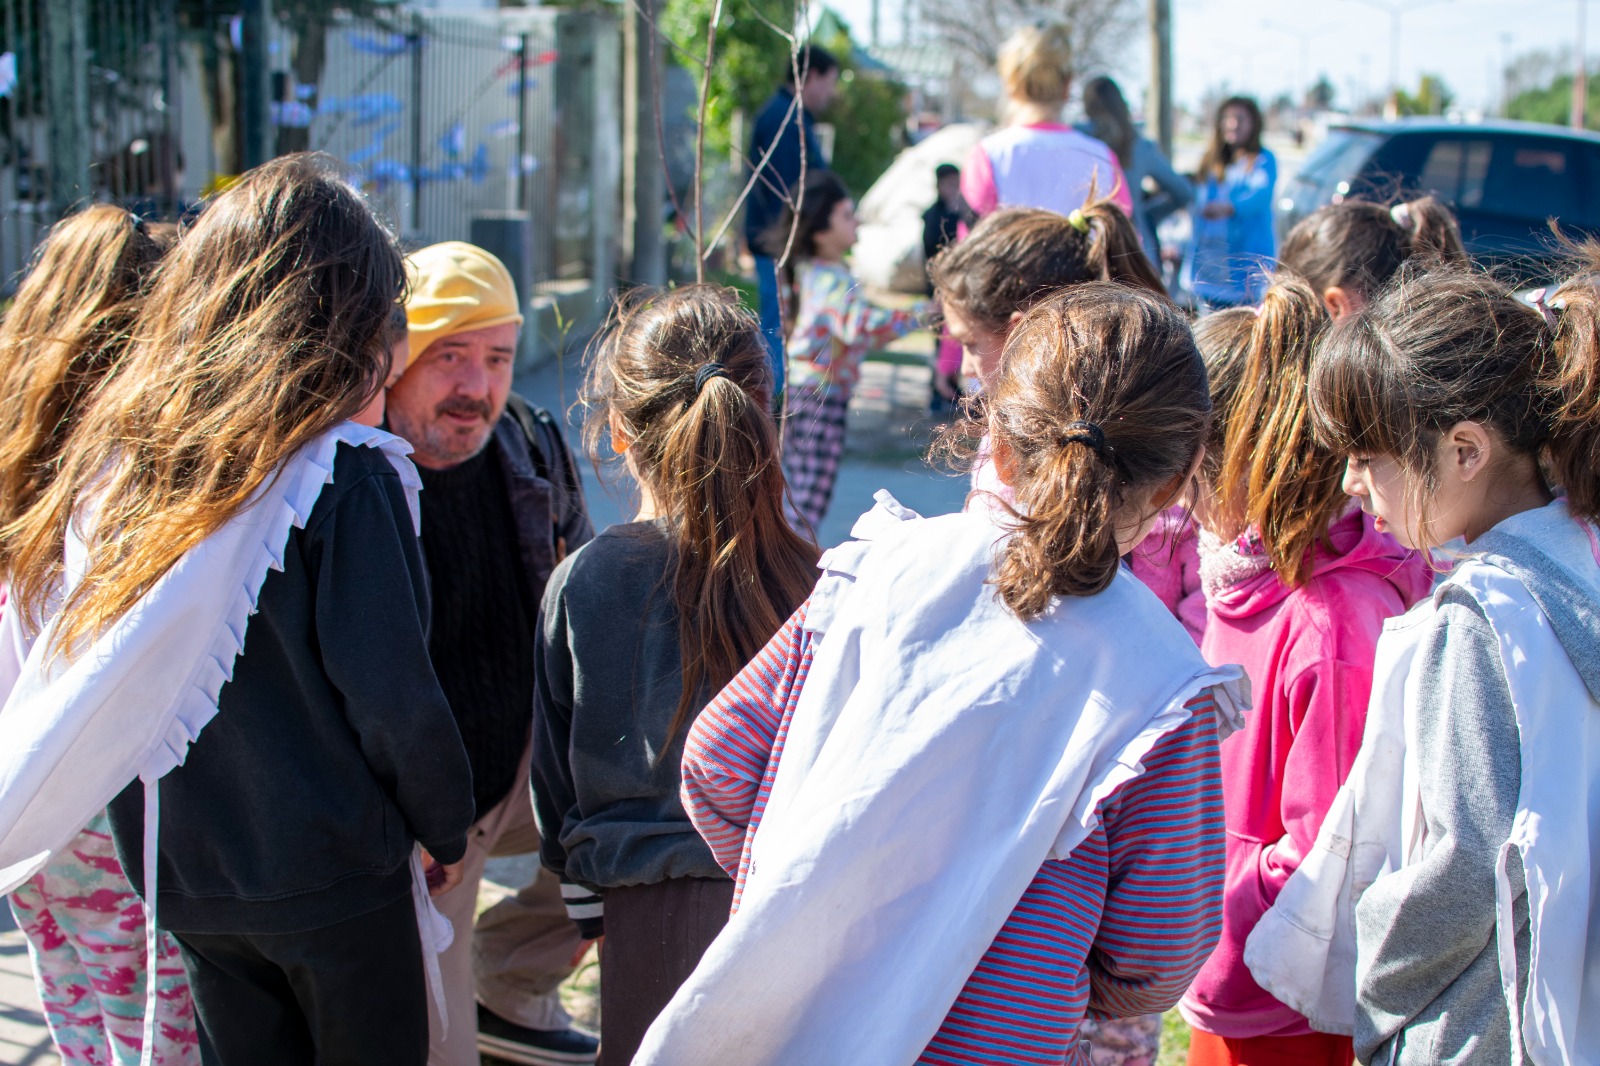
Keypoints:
(1120, 193)
(977, 181)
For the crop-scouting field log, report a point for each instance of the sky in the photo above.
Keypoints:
(1264, 48)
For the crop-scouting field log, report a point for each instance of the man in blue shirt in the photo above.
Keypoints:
(782, 127)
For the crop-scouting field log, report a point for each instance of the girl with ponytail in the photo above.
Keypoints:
(1347, 252)
(1464, 414)
(644, 624)
(969, 790)
(1016, 257)
(1298, 585)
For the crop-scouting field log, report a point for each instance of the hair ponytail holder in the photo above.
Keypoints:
(1537, 299)
(706, 372)
(1087, 434)
(136, 220)
(1078, 220)
(1401, 213)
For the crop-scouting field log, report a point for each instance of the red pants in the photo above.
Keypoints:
(1317, 1049)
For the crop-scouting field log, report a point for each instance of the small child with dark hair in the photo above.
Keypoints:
(942, 225)
(833, 327)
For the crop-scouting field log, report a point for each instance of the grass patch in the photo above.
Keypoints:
(1174, 1040)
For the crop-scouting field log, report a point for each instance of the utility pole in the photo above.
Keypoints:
(1159, 105)
(66, 86)
(644, 188)
(1580, 74)
(877, 25)
(255, 88)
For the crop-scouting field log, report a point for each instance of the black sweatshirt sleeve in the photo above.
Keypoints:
(371, 616)
(555, 795)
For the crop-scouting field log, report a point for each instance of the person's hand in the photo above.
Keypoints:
(441, 876)
(583, 949)
(1217, 209)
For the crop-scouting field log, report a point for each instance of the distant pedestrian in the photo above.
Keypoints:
(68, 326)
(942, 223)
(1143, 163)
(645, 624)
(502, 505)
(1233, 251)
(1348, 251)
(783, 150)
(835, 325)
(971, 787)
(1037, 160)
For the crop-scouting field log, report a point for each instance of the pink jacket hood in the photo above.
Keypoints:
(1355, 545)
(1309, 653)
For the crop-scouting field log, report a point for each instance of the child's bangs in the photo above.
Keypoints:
(1360, 404)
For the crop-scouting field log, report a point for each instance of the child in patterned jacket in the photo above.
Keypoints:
(832, 329)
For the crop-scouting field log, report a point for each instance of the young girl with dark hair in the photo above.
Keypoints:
(1467, 414)
(1347, 252)
(1016, 257)
(214, 489)
(938, 785)
(833, 327)
(1233, 250)
(68, 325)
(644, 624)
(1298, 585)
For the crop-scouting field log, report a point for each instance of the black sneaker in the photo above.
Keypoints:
(511, 1042)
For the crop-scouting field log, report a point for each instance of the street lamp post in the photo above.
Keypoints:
(1580, 73)
(1396, 8)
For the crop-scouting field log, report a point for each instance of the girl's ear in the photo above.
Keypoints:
(1339, 301)
(621, 439)
(1465, 451)
(1005, 462)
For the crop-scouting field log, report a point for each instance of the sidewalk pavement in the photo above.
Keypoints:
(24, 1041)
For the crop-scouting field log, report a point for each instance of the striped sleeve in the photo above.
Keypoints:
(1163, 910)
(733, 748)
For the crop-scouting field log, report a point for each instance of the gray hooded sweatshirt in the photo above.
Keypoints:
(1427, 970)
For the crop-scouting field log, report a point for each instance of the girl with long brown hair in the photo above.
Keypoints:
(937, 785)
(68, 325)
(213, 489)
(644, 624)
(1298, 585)
(1349, 251)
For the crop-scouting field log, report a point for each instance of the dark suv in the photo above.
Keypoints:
(1504, 179)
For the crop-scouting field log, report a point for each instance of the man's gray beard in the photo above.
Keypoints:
(437, 443)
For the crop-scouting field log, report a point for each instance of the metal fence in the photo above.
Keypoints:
(509, 117)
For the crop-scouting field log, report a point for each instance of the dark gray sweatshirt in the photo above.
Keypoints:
(1427, 971)
(607, 683)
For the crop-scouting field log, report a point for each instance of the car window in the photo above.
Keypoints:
(1337, 159)
(1455, 170)
(1535, 178)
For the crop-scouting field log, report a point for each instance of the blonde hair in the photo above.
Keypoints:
(265, 327)
(68, 325)
(1035, 64)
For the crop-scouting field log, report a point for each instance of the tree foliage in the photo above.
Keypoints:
(1433, 97)
(975, 29)
(1552, 103)
(750, 59)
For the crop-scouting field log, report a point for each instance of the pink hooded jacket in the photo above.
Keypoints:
(1309, 653)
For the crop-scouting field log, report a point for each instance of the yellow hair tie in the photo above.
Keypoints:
(1077, 221)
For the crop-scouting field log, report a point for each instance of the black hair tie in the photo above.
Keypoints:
(1087, 434)
(706, 373)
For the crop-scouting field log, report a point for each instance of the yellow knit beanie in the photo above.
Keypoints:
(456, 287)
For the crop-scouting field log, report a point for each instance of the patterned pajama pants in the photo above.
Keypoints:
(813, 445)
(85, 930)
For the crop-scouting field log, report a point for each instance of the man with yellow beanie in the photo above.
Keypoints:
(502, 503)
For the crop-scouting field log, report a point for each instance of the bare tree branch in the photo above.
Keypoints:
(700, 147)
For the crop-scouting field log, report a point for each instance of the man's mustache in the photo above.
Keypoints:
(461, 405)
